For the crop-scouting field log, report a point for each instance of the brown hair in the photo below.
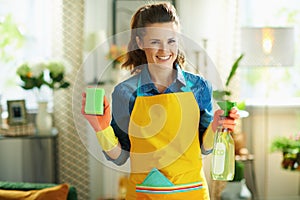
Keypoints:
(149, 14)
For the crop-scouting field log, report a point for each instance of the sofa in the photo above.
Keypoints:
(42, 191)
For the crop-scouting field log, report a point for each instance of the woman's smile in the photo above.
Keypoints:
(164, 58)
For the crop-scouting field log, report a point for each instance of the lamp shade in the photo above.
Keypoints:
(267, 46)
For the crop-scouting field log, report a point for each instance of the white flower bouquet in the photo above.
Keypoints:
(33, 75)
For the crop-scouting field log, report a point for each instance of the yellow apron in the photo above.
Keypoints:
(163, 132)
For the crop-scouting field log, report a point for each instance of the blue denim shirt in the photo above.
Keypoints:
(125, 93)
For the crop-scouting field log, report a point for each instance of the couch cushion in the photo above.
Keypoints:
(58, 192)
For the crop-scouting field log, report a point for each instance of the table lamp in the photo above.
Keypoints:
(267, 46)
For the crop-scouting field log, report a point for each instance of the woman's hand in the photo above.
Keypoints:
(98, 122)
(227, 122)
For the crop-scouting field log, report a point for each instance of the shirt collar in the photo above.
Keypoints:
(146, 84)
(180, 77)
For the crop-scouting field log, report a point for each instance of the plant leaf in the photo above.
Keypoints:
(220, 94)
(233, 69)
(65, 85)
(241, 105)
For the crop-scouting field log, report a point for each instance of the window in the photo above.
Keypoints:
(34, 20)
(275, 84)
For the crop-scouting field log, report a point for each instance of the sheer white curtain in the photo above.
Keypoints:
(34, 20)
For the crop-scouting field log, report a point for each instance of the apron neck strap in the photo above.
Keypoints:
(186, 88)
(139, 93)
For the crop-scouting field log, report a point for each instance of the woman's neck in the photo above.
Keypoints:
(162, 77)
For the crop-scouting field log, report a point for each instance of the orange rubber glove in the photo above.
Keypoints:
(228, 122)
(98, 122)
(101, 124)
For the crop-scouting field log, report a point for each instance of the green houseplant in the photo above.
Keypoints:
(290, 148)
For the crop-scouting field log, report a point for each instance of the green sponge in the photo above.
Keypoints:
(94, 101)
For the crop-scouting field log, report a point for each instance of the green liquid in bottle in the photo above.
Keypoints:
(223, 157)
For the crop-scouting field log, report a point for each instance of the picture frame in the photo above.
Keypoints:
(17, 113)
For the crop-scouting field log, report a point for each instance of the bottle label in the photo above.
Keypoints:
(219, 158)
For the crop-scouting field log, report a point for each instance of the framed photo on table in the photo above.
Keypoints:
(16, 112)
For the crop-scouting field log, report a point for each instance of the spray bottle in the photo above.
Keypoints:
(223, 158)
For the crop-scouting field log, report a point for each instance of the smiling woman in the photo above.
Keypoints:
(162, 116)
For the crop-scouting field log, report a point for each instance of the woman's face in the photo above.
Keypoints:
(160, 44)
